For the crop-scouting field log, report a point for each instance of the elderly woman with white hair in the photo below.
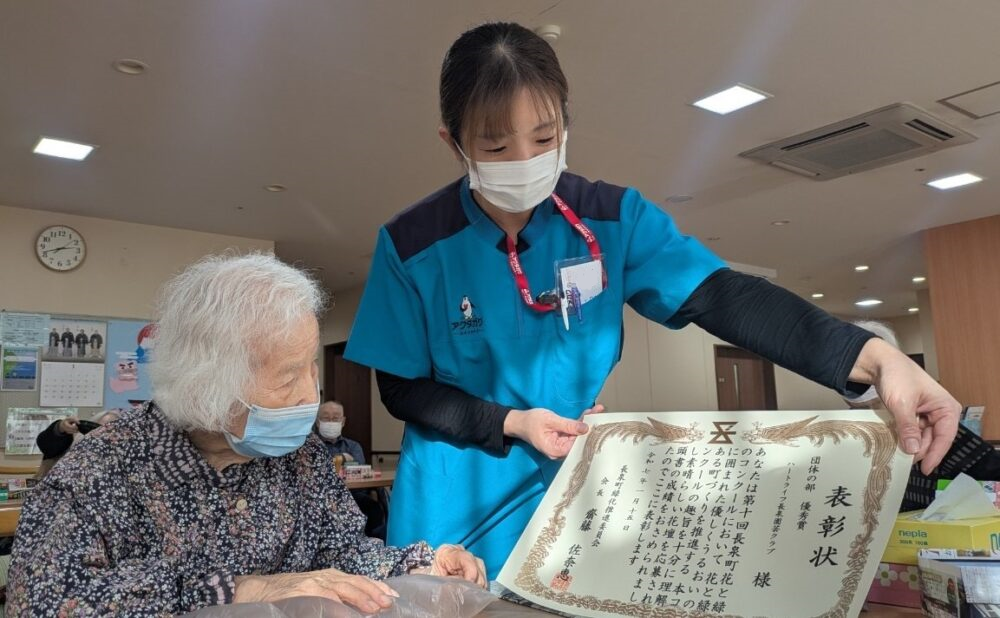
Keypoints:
(216, 492)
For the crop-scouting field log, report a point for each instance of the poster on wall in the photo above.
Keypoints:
(23, 329)
(76, 341)
(130, 345)
(71, 384)
(24, 425)
(18, 368)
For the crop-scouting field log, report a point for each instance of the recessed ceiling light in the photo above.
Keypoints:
(913, 309)
(275, 188)
(550, 33)
(817, 295)
(868, 302)
(63, 149)
(129, 66)
(861, 268)
(953, 182)
(919, 279)
(781, 222)
(731, 99)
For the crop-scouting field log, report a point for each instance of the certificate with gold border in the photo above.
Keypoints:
(697, 514)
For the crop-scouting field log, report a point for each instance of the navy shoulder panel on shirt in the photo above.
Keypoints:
(598, 201)
(433, 218)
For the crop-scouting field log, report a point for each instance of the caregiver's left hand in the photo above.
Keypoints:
(926, 414)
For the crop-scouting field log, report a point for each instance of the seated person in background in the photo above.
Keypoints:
(217, 492)
(56, 439)
(968, 453)
(330, 424)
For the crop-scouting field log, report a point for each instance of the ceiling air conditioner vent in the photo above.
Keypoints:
(886, 135)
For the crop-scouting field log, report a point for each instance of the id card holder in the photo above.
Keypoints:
(578, 281)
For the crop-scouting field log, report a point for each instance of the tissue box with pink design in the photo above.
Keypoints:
(896, 584)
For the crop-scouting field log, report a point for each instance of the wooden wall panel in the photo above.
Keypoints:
(963, 270)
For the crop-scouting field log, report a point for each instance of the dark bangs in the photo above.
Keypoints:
(487, 68)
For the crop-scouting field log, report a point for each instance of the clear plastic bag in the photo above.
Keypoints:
(420, 596)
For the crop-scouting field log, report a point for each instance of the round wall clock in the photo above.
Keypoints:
(60, 248)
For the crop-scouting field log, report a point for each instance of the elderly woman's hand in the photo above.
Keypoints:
(367, 595)
(455, 561)
(926, 414)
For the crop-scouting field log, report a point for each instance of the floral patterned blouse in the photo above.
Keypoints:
(134, 521)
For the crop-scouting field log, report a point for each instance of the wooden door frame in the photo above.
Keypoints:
(363, 418)
(770, 390)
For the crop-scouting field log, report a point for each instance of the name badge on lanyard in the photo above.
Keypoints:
(579, 280)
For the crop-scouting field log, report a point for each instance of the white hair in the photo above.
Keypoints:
(879, 328)
(215, 323)
(105, 413)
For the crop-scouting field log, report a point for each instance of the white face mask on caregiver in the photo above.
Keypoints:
(518, 186)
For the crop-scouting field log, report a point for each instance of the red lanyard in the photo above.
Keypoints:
(515, 261)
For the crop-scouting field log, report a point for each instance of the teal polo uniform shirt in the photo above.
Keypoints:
(441, 303)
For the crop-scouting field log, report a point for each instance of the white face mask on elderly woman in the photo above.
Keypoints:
(273, 432)
(518, 186)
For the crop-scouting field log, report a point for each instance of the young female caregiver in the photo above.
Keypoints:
(462, 320)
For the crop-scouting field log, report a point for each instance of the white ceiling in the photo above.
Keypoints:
(338, 101)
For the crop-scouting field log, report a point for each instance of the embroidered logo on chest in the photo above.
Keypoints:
(470, 321)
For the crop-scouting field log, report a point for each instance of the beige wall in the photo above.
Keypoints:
(126, 263)
(927, 333)
(907, 329)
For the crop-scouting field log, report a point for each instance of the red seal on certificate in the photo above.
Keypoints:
(561, 581)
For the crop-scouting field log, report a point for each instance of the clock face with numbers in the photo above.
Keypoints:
(60, 247)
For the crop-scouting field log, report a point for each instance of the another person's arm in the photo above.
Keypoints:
(56, 439)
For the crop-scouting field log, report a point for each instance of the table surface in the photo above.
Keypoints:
(10, 511)
(503, 609)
